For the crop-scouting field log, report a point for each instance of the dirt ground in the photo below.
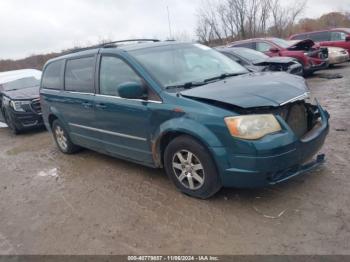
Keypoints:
(90, 203)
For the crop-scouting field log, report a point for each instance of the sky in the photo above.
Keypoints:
(41, 26)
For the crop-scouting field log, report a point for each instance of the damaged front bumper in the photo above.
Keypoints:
(278, 158)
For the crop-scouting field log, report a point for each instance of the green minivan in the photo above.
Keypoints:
(186, 108)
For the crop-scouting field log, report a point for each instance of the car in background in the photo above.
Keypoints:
(337, 37)
(337, 55)
(185, 107)
(258, 62)
(19, 99)
(309, 55)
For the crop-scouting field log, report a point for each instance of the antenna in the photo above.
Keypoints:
(169, 23)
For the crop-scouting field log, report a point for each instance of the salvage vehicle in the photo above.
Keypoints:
(19, 99)
(258, 62)
(336, 37)
(311, 56)
(187, 108)
(336, 55)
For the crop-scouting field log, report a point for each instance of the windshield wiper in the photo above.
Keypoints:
(223, 76)
(187, 85)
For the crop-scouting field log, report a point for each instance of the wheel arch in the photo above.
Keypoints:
(175, 128)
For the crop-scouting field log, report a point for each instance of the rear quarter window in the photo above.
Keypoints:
(79, 75)
(51, 78)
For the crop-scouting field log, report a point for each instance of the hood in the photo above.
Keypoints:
(275, 60)
(305, 44)
(253, 90)
(21, 94)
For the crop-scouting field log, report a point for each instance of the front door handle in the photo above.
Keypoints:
(101, 106)
(86, 104)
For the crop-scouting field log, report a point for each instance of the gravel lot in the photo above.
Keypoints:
(90, 203)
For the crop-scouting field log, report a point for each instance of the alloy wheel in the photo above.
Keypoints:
(188, 169)
(61, 138)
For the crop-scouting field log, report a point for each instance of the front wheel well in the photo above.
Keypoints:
(168, 137)
(52, 118)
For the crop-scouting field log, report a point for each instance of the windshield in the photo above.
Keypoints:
(21, 83)
(281, 42)
(250, 54)
(175, 65)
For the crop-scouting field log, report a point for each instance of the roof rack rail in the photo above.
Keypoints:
(139, 40)
(111, 44)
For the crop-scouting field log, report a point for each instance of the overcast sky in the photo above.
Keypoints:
(40, 26)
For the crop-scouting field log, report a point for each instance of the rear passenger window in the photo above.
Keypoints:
(79, 75)
(52, 75)
(114, 72)
(319, 36)
(263, 47)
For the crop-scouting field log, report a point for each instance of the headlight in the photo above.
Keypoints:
(18, 105)
(252, 126)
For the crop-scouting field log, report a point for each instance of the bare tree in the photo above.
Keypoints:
(237, 19)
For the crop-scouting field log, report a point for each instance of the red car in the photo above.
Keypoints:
(337, 37)
(309, 54)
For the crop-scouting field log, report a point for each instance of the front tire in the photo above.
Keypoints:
(9, 123)
(62, 139)
(191, 168)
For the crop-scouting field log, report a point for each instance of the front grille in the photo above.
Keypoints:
(36, 106)
(297, 119)
(324, 53)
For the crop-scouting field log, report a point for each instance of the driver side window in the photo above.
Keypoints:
(263, 47)
(113, 73)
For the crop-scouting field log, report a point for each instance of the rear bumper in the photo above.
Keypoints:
(290, 160)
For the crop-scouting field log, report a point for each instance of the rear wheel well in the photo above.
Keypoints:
(51, 119)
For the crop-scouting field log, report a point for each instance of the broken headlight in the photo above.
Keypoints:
(252, 126)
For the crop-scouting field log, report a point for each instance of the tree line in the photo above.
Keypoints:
(220, 22)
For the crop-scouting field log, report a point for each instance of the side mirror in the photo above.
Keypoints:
(347, 38)
(132, 90)
(274, 50)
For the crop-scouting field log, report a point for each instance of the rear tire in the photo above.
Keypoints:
(191, 168)
(62, 139)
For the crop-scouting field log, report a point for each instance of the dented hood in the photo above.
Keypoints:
(305, 44)
(252, 90)
(25, 93)
(275, 60)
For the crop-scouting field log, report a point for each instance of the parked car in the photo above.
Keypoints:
(311, 56)
(187, 108)
(336, 37)
(19, 99)
(258, 62)
(337, 55)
